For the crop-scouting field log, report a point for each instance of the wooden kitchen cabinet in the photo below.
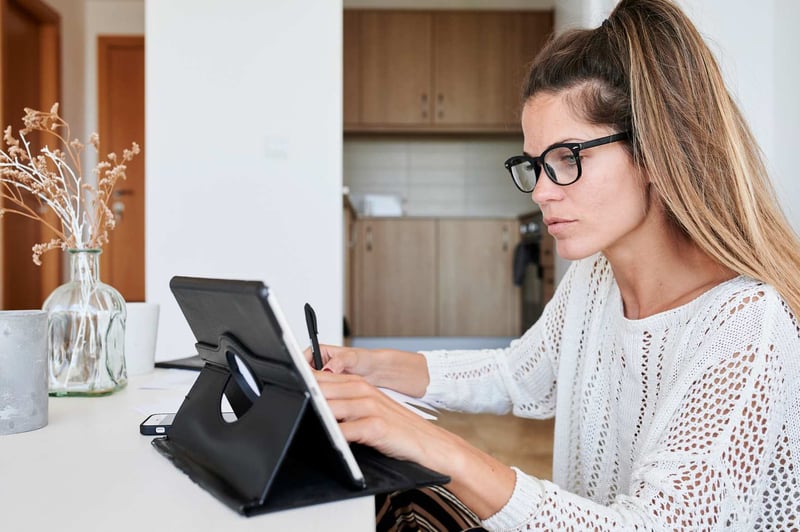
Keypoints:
(477, 296)
(348, 253)
(394, 291)
(457, 71)
(547, 260)
(395, 66)
(435, 277)
(352, 67)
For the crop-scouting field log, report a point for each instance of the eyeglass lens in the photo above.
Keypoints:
(560, 163)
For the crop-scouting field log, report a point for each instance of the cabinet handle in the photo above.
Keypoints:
(424, 105)
(440, 105)
(353, 237)
(368, 238)
(505, 238)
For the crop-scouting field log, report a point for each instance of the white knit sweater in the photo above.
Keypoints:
(685, 420)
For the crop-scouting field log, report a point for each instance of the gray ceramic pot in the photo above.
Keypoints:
(23, 370)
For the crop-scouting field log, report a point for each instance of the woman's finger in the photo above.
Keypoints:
(350, 397)
(340, 360)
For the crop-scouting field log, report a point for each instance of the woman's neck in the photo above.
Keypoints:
(663, 271)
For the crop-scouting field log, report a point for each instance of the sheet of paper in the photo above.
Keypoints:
(416, 405)
(170, 379)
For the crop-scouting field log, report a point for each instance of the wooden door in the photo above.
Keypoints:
(120, 122)
(477, 296)
(395, 66)
(395, 277)
(29, 57)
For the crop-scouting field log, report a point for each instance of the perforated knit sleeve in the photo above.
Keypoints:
(723, 451)
(492, 380)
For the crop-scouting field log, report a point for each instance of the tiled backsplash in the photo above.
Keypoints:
(435, 176)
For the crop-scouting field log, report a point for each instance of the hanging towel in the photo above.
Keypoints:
(525, 253)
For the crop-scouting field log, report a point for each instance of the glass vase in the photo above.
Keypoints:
(85, 331)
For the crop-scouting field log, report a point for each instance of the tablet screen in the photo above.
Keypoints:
(317, 399)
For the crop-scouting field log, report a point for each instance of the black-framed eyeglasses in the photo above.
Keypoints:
(561, 162)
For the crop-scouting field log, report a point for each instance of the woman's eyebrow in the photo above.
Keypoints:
(563, 141)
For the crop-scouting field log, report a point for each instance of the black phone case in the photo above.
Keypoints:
(154, 429)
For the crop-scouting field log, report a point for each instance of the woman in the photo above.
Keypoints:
(670, 354)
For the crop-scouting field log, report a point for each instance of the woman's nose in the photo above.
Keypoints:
(545, 190)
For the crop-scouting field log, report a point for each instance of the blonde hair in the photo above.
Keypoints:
(648, 70)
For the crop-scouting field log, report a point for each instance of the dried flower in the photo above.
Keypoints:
(53, 177)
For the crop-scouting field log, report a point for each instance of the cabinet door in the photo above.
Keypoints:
(395, 283)
(351, 62)
(547, 258)
(348, 240)
(470, 68)
(395, 66)
(477, 296)
(529, 33)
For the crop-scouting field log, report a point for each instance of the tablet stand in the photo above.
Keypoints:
(276, 455)
(238, 462)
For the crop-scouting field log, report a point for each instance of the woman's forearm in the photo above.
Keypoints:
(479, 480)
(402, 371)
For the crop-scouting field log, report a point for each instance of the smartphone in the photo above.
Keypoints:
(159, 424)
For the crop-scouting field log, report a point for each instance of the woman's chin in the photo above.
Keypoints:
(573, 251)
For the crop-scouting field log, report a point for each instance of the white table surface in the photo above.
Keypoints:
(89, 469)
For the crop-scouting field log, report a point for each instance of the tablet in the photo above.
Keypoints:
(249, 312)
(285, 449)
(318, 401)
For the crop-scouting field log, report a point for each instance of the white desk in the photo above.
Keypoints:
(90, 469)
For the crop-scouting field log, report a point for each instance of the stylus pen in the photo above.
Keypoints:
(311, 323)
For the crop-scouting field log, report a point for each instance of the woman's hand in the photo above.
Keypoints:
(337, 359)
(402, 371)
(368, 416)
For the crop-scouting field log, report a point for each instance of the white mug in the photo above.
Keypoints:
(141, 331)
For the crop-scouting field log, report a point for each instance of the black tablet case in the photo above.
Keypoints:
(194, 363)
(277, 455)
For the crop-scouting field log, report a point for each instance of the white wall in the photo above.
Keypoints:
(73, 64)
(786, 105)
(757, 49)
(244, 139)
(581, 13)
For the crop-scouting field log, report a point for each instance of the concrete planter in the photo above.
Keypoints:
(23, 370)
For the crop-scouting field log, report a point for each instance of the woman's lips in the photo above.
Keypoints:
(556, 226)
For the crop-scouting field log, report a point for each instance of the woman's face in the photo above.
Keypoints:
(602, 211)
